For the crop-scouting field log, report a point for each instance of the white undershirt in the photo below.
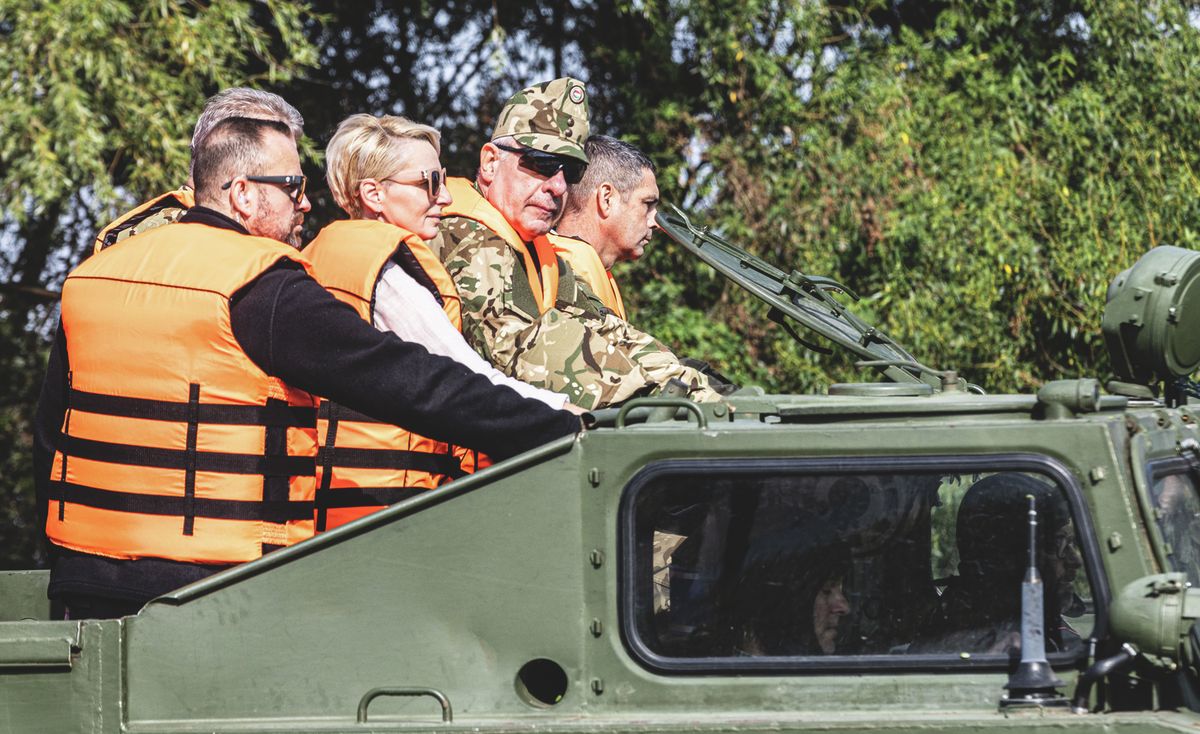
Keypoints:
(404, 307)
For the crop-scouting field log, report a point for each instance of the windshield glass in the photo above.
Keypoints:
(1177, 512)
(747, 563)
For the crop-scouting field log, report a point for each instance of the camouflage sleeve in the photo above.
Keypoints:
(596, 359)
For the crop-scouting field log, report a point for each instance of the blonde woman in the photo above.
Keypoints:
(385, 173)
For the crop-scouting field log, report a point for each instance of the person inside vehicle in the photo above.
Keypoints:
(608, 216)
(385, 174)
(176, 430)
(980, 609)
(791, 601)
(524, 308)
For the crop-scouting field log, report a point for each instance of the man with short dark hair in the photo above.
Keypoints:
(176, 432)
(523, 308)
(169, 207)
(608, 216)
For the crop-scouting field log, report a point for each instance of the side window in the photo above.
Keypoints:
(1177, 511)
(741, 563)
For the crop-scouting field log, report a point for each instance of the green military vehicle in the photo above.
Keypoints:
(909, 554)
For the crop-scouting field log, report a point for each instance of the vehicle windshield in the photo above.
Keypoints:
(1177, 512)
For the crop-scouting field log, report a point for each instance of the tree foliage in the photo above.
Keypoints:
(98, 105)
(976, 171)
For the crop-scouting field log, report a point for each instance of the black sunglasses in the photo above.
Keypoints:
(548, 164)
(433, 179)
(293, 185)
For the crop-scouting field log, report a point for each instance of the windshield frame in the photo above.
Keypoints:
(629, 579)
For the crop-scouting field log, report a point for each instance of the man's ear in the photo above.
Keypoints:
(370, 194)
(489, 164)
(241, 200)
(606, 196)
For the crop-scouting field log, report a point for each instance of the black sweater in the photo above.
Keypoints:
(293, 329)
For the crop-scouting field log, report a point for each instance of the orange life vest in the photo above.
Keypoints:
(166, 205)
(586, 263)
(543, 278)
(174, 444)
(364, 465)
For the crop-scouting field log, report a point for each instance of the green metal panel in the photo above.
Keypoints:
(456, 597)
(53, 694)
(457, 589)
(24, 596)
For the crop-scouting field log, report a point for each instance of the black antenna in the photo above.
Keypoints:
(1033, 682)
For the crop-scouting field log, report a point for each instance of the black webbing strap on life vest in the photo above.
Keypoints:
(62, 475)
(329, 455)
(274, 413)
(398, 459)
(274, 463)
(276, 485)
(339, 497)
(175, 505)
(189, 470)
(355, 458)
(183, 459)
(329, 412)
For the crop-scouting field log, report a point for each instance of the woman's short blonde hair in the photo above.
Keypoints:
(366, 146)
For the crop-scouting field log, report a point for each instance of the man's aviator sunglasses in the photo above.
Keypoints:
(293, 185)
(548, 164)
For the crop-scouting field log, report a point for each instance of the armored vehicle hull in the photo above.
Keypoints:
(544, 594)
(901, 556)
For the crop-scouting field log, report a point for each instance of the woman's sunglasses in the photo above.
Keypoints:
(433, 180)
(548, 164)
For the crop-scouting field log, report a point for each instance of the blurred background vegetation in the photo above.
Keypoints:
(976, 171)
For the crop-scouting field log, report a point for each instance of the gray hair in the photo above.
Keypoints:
(248, 103)
(609, 161)
(233, 147)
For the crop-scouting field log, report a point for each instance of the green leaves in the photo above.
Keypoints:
(102, 95)
(977, 171)
(96, 112)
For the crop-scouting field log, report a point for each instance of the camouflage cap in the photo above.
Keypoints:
(550, 116)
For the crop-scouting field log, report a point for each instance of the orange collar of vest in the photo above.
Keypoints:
(469, 203)
(586, 263)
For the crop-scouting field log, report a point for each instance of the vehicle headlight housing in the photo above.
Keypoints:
(1151, 322)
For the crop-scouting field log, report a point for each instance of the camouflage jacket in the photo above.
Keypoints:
(163, 209)
(578, 348)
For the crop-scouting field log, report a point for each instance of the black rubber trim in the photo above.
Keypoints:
(273, 414)
(365, 496)
(627, 579)
(150, 504)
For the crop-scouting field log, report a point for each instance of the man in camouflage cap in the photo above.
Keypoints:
(523, 307)
(551, 116)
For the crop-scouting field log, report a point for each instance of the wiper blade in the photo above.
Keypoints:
(799, 301)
